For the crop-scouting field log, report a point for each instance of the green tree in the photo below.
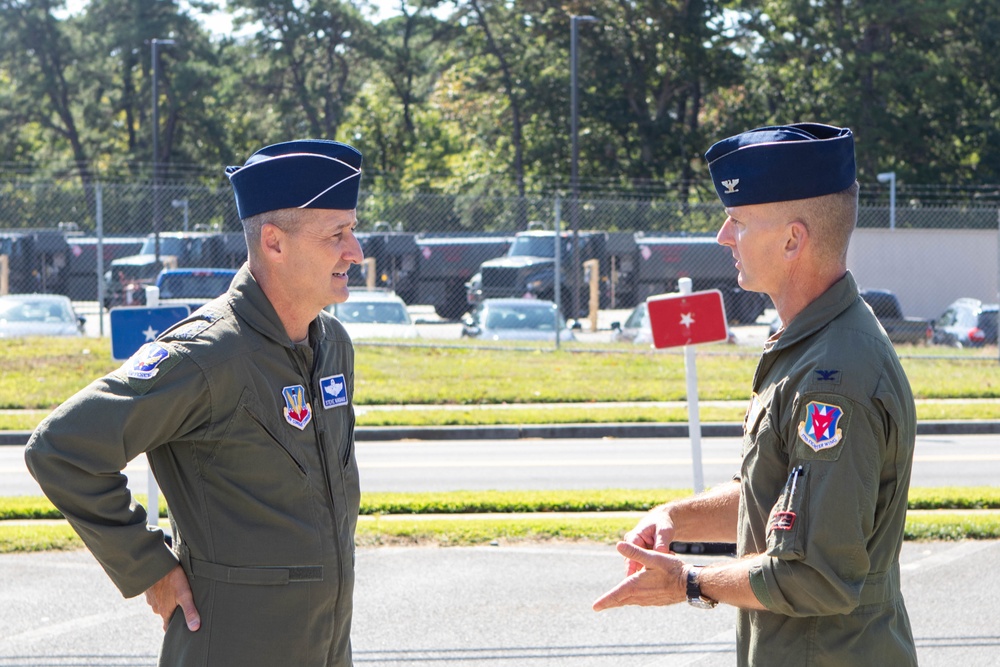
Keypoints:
(41, 60)
(881, 68)
(302, 68)
(392, 119)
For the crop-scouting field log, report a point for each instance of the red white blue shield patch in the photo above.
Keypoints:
(819, 430)
(297, 410)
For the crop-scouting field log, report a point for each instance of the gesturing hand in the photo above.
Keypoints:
(660, 581)
(654, 531)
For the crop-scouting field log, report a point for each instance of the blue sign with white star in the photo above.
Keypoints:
(133, 327)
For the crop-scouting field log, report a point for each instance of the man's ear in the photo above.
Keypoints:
(272, 242)
(795, 239)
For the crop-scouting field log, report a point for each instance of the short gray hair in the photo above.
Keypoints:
(284, 218)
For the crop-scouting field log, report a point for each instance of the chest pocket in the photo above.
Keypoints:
(255, 437)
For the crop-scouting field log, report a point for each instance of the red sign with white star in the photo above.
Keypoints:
(687, 319)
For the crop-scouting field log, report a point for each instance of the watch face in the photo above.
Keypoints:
(702, 603)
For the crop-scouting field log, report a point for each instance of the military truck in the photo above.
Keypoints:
(662, 260)
(631, 267)
(127, 277)
(33, 260)
(528, 269)
(430, 269)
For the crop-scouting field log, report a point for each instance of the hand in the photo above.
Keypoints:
(170, 592)
(660, 581)
(654, 531)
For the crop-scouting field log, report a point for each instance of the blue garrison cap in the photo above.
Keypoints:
(782, 163)
(310, 173)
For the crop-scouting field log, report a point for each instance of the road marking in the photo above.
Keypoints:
(948, 556)
(543, 463)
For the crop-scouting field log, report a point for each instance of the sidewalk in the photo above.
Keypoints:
(570, 431)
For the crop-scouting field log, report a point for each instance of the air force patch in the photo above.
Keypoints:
(143, 364)
(297, 410)
(334, 391)
(819, 430)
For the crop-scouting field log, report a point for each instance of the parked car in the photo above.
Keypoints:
(38, 315)
(967, 323)
(374, 315)
(192, 287)
(515, 319)
(889, 312)
(636, 328)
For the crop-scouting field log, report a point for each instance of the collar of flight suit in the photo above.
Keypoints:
(256, 309)
(841, 296)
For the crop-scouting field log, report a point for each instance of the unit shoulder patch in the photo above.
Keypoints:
(149, 363)
(821, 427)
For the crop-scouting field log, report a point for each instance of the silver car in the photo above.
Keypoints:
(38, 315)
(516, 319)
(374, 315)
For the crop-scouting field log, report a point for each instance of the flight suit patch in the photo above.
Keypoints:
(831, 376)
(820, 428)
(333, 390)
(297, 410)
(754, 411)
(191, 329)
(148, 364)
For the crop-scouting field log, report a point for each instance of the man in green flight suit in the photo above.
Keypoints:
(245, 413)
(817, 510)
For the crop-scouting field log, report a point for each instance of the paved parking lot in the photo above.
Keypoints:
(524, 605)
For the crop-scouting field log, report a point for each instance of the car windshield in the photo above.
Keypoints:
(538, 246)
(637, 317)
(34, 311)
(194, 285)
(512, 317)
(169, 245)
(372, 313)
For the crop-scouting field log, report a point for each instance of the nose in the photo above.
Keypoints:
(354, 254)
(725, 235)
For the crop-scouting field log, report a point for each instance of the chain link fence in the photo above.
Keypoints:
(449, 253)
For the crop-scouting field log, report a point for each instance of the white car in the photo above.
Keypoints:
(374, 315)
(515, 319)
(636, 328)
(38, 315)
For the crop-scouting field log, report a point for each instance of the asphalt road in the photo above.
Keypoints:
(637, 463)
(516, 605)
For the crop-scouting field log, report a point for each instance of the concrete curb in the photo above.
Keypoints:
(571, 431)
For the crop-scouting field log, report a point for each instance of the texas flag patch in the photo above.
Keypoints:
(334, 391)
(297, 410)
(819, 430)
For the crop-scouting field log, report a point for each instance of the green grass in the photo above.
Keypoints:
(483, 383)
(467, 517)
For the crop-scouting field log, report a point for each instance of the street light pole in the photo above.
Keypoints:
(890, 178)
(182, 203)
(574, 158)
(154, 44)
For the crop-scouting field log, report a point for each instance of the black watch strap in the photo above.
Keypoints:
(694, 594)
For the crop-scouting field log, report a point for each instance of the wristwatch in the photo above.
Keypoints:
(695, 598)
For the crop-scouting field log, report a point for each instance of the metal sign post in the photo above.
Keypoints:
(131, 328)
(686, 319)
